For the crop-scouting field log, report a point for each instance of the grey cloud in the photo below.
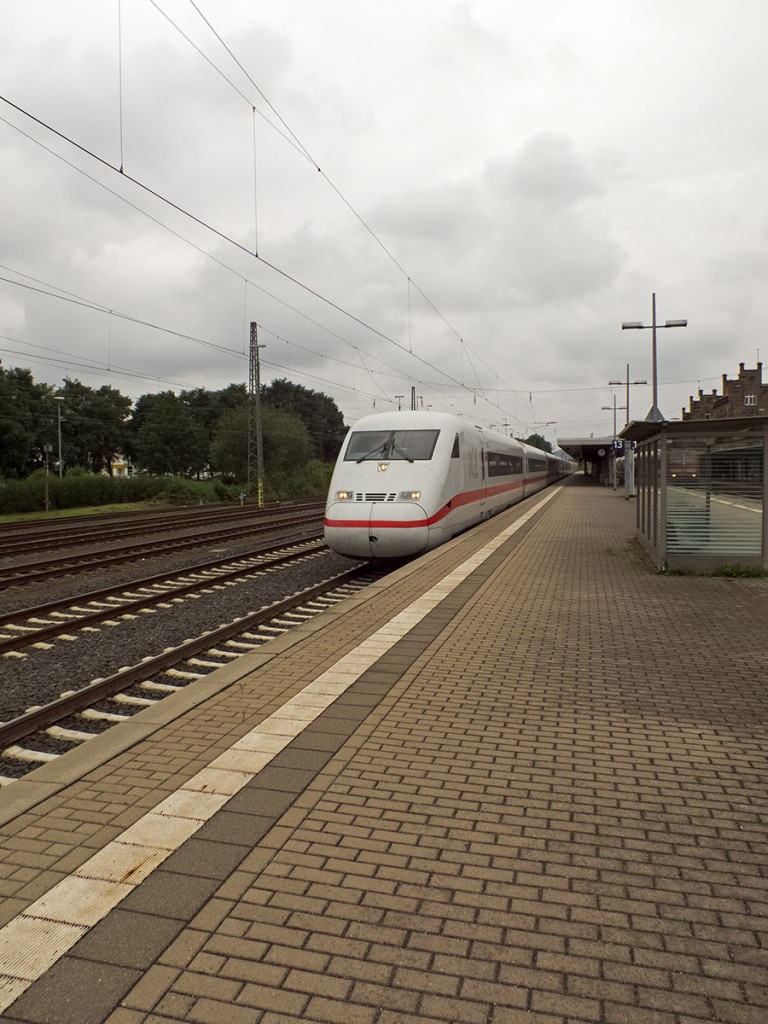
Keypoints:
(546, 170)
(527, 228)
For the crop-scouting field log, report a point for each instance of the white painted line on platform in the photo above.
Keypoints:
(34, 940)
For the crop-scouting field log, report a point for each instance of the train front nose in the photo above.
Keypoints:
(372, 529)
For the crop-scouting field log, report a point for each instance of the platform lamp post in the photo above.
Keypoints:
(255, 447)
(613, 449)
(59, 399)
(628, 383)
(47, 453)
(633, 325)
(399, 400)
(545, 423)
(629, 455)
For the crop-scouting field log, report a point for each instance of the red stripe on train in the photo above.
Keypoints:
(467, 498)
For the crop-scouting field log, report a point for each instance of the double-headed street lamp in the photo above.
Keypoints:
(613, 450)
(629, 455)
(615, 408)
(628, 382)
(633, 325)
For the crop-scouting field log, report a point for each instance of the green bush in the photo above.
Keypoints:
(180, 491)
(739, 572)
(309, 481)
(87, 490)
(733, 572)
(80, 489)
(26, 495)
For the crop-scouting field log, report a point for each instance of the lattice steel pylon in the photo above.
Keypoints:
(255, 447)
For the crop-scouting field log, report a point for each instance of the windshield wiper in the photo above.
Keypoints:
(380, 448)
(396, 448)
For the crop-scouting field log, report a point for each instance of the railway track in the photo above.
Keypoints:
(44, 733)
(40, 625)
(25, 573)
(18, 538)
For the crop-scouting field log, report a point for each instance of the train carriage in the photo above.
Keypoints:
(406, 482)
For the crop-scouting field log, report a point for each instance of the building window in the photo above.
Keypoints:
(750, 399)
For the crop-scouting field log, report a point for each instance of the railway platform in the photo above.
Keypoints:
(521, 780)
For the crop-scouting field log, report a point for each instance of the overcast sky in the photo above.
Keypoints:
(465, 198)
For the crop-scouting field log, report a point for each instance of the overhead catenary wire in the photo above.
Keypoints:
(303, 149)
(43, 288)
(51, 291)
(106, 163)
(220, 234)
(120, 77)
(68, 360)
(290, 136)
(287, 133)
(129, 318)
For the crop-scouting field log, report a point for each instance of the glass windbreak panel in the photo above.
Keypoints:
(392, 445)
(648, 469)
(715, 496)
(655, 494)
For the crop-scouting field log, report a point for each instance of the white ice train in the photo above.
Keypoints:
(406, 482)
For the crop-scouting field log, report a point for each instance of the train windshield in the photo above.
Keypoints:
(392, 445)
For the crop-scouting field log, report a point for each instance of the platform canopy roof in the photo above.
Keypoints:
(586, 449)
(643, 430)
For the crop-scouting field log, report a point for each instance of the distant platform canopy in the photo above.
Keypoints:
(594, 454)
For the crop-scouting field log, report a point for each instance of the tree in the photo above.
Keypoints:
(537, 441)
(319, 414)
(208, 407)
(93, 425)
(27, 422)
(166, 438)
(229, 447)
(286, 443)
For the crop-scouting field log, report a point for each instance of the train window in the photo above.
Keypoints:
(367, 444)
(392, 445)
(504, 464)
(456, 453)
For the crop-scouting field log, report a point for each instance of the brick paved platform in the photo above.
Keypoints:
(522, 781)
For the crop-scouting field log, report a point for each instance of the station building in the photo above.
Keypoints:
(742, 397)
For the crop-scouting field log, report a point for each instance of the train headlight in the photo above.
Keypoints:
(409, 495)
(344, 496)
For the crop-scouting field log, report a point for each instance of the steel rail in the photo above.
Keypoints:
(11, 576)
(80, 531)
(140, 515)
(55, 629)
(49, 714)
(8, 618)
